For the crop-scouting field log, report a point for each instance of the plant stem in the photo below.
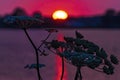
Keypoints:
(36, 51)
(78, 74)
(62, 75)
(44, 40)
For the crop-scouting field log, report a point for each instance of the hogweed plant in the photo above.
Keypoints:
(25, 22)
(75, 51)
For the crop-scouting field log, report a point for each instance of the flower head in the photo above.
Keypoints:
(80, 52)
(22, 21)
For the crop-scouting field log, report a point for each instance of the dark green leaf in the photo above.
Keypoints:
(113, 59)
(107, 70)
(69, 39)
(55, 44)
(78, 35)
(102, 54)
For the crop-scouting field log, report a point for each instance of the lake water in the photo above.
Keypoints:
(16, 52)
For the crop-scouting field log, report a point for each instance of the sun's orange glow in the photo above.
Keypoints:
(59, 14)
(60, 37)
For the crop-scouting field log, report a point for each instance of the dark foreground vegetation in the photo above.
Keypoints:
(75, 51)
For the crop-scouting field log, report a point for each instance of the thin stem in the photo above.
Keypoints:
(29, 38)
(44, 40)
(36, 51)
(78, 74)
(62, 75)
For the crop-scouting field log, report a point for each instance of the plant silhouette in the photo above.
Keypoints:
(75, 51)
(80, 52)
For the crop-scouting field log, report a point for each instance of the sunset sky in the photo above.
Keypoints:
(73, 7)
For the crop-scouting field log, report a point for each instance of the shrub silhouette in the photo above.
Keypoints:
(19, 12)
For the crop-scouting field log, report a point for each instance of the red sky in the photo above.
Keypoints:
(73, 7)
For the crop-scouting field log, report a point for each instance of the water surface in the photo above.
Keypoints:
(16, 52)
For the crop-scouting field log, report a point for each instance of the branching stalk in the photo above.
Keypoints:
(62, 75)
(44, 40)
(36, 51)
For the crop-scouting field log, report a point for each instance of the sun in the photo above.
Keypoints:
(60, 14)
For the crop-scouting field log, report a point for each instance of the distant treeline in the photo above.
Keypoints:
(110, 19)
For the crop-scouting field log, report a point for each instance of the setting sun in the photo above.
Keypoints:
(59, 14)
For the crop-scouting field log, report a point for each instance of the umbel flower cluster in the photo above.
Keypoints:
(76, 51)
(80, 52)
(22, 21)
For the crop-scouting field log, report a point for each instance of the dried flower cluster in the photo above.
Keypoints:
(81, 52)
(22, 21)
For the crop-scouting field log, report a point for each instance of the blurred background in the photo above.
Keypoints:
(81, 13)
(98, 21)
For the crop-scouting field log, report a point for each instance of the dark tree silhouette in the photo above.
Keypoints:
(110, 12)
(118, 18)
(0, 16)
(118, 14)
(37, 14)
(19, 12)
(108, 18)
